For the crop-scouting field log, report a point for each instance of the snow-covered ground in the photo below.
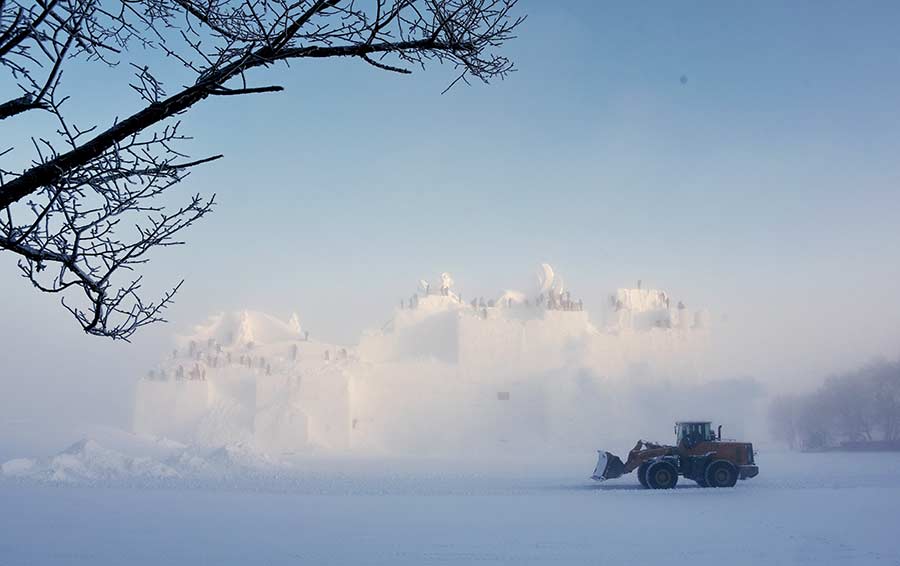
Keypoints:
(458, 432)
(802, 509)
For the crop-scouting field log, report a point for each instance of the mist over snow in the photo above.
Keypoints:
(446, 375)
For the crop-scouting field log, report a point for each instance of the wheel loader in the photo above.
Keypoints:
(699, 454)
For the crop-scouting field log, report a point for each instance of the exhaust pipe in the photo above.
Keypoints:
(609, 466)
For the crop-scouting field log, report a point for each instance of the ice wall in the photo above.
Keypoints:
(428, 331)
(247, 377)
(441, 376)
(169, 408)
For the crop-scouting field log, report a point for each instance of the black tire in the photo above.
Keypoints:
(662, 475)
(642, 474)
(721, 473)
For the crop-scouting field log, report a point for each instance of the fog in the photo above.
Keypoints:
(744, 190)
(60, 386)
(448, 281)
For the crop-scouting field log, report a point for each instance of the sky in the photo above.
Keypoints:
(741, 156)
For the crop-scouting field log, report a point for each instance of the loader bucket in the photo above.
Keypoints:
(609, 466)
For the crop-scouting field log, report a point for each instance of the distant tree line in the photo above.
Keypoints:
(858, 407)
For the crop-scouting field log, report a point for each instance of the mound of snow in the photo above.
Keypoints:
(237, 457)
(86, 461)
(20, 467)
(140, 460)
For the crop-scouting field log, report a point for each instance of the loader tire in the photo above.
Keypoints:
(662, 475)
(642, 474)
(721, 473)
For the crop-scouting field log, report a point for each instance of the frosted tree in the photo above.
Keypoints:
(849, 403)
(860, 406)
(882, 389)
(83, 204)
(783, 420)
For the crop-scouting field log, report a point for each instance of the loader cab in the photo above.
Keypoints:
(692, 432)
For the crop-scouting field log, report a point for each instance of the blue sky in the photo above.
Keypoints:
(774, 162)
(765, 187)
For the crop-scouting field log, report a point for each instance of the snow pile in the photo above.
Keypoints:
(18, 467)
(87, 461)
(142, 461)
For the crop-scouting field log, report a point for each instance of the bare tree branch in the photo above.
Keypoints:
(66, 214)
(18, 105)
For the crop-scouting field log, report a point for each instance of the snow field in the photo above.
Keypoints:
(803, 509)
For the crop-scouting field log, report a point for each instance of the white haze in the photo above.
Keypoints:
(57, 383)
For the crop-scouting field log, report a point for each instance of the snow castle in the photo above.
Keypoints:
(442, 375)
